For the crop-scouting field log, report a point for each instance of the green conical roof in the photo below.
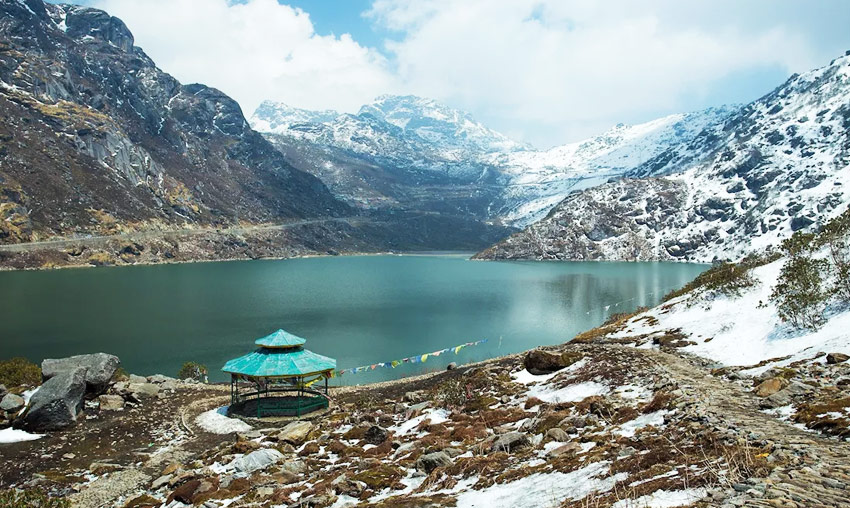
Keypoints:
(280, 363)
(280, 339)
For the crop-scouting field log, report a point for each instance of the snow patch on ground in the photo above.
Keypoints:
(436, 416)
(216, 421)
(570, 393)
(543, 489)
(664, 499)
(11, 435)
(655, 419)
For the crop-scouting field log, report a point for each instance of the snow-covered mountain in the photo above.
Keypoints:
(778, 165)
(413, 152)
(539, 180)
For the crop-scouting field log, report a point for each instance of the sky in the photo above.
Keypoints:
(545, 72)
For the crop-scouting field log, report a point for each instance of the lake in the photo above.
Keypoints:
(359, 310)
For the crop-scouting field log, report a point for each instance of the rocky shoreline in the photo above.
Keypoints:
(590, 423)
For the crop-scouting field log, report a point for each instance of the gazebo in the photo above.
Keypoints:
(282, 372)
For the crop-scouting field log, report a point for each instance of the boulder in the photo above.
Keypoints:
(770, 386)
(510, 442)
(295, 432)
(110, 402)
(539, 362)
(11, 403)
(565, 449)
(833, 358)
(375, 435)
(160, 379)
(100, 367)
(56, 404)
(257, 461)
(451, 366)
(294, 467)
(432, 461)
(136, 379)
(141, 391)
(185, 493)
(556, 434)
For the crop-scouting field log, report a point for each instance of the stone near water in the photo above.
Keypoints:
(257, 461)
(136, 379)
(57, 403)
(539, 362)
(295, 432)
(451, 366)
(432, 461)
(110, 402)
(833, 358)
(11, 403)
(100, 367)
(160, 379)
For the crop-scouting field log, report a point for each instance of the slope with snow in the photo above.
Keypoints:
(778, 165)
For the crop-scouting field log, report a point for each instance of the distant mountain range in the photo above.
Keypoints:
(411, 152)
(778, 165)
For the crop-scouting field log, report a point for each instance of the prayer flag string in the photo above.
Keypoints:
(410, 359)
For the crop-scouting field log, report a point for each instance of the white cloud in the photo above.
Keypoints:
(254, 50)
(544, 71)
(559, 71)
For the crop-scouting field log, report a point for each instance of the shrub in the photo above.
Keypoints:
(726, 278)
(193, 370)
(19, 371)
(799, 294)
(834, 236)
(30, 499)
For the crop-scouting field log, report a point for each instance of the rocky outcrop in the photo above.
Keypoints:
(57, 402)
(833, 358)
(99, 369)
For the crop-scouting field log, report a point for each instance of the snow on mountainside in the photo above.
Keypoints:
(395, 148)
(778, 165)
(539, 180)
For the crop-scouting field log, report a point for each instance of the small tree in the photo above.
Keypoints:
(835, 236)
(193, 370)
(799, 294)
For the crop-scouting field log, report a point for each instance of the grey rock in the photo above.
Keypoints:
(538, 361)
(100, 367)
(376, 435)
(57, 403)
(161, 481)
(142, 391)
(3, 391)
(432, 461)
(565, 449)
(412, 397)
(451, 366)
(294, 467)
(11, 403)
(257, 460)
(833, 358)
(556, 434)
(295, 432)
(160, 379)
(136, 379)
(510, 442)
(110, 402)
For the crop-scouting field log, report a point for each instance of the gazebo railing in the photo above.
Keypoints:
(279, 400)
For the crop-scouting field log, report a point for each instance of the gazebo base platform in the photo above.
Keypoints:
(278, 406)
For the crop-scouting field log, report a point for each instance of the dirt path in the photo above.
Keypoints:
(821, 478)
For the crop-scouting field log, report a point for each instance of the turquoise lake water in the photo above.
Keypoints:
(359, 310)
